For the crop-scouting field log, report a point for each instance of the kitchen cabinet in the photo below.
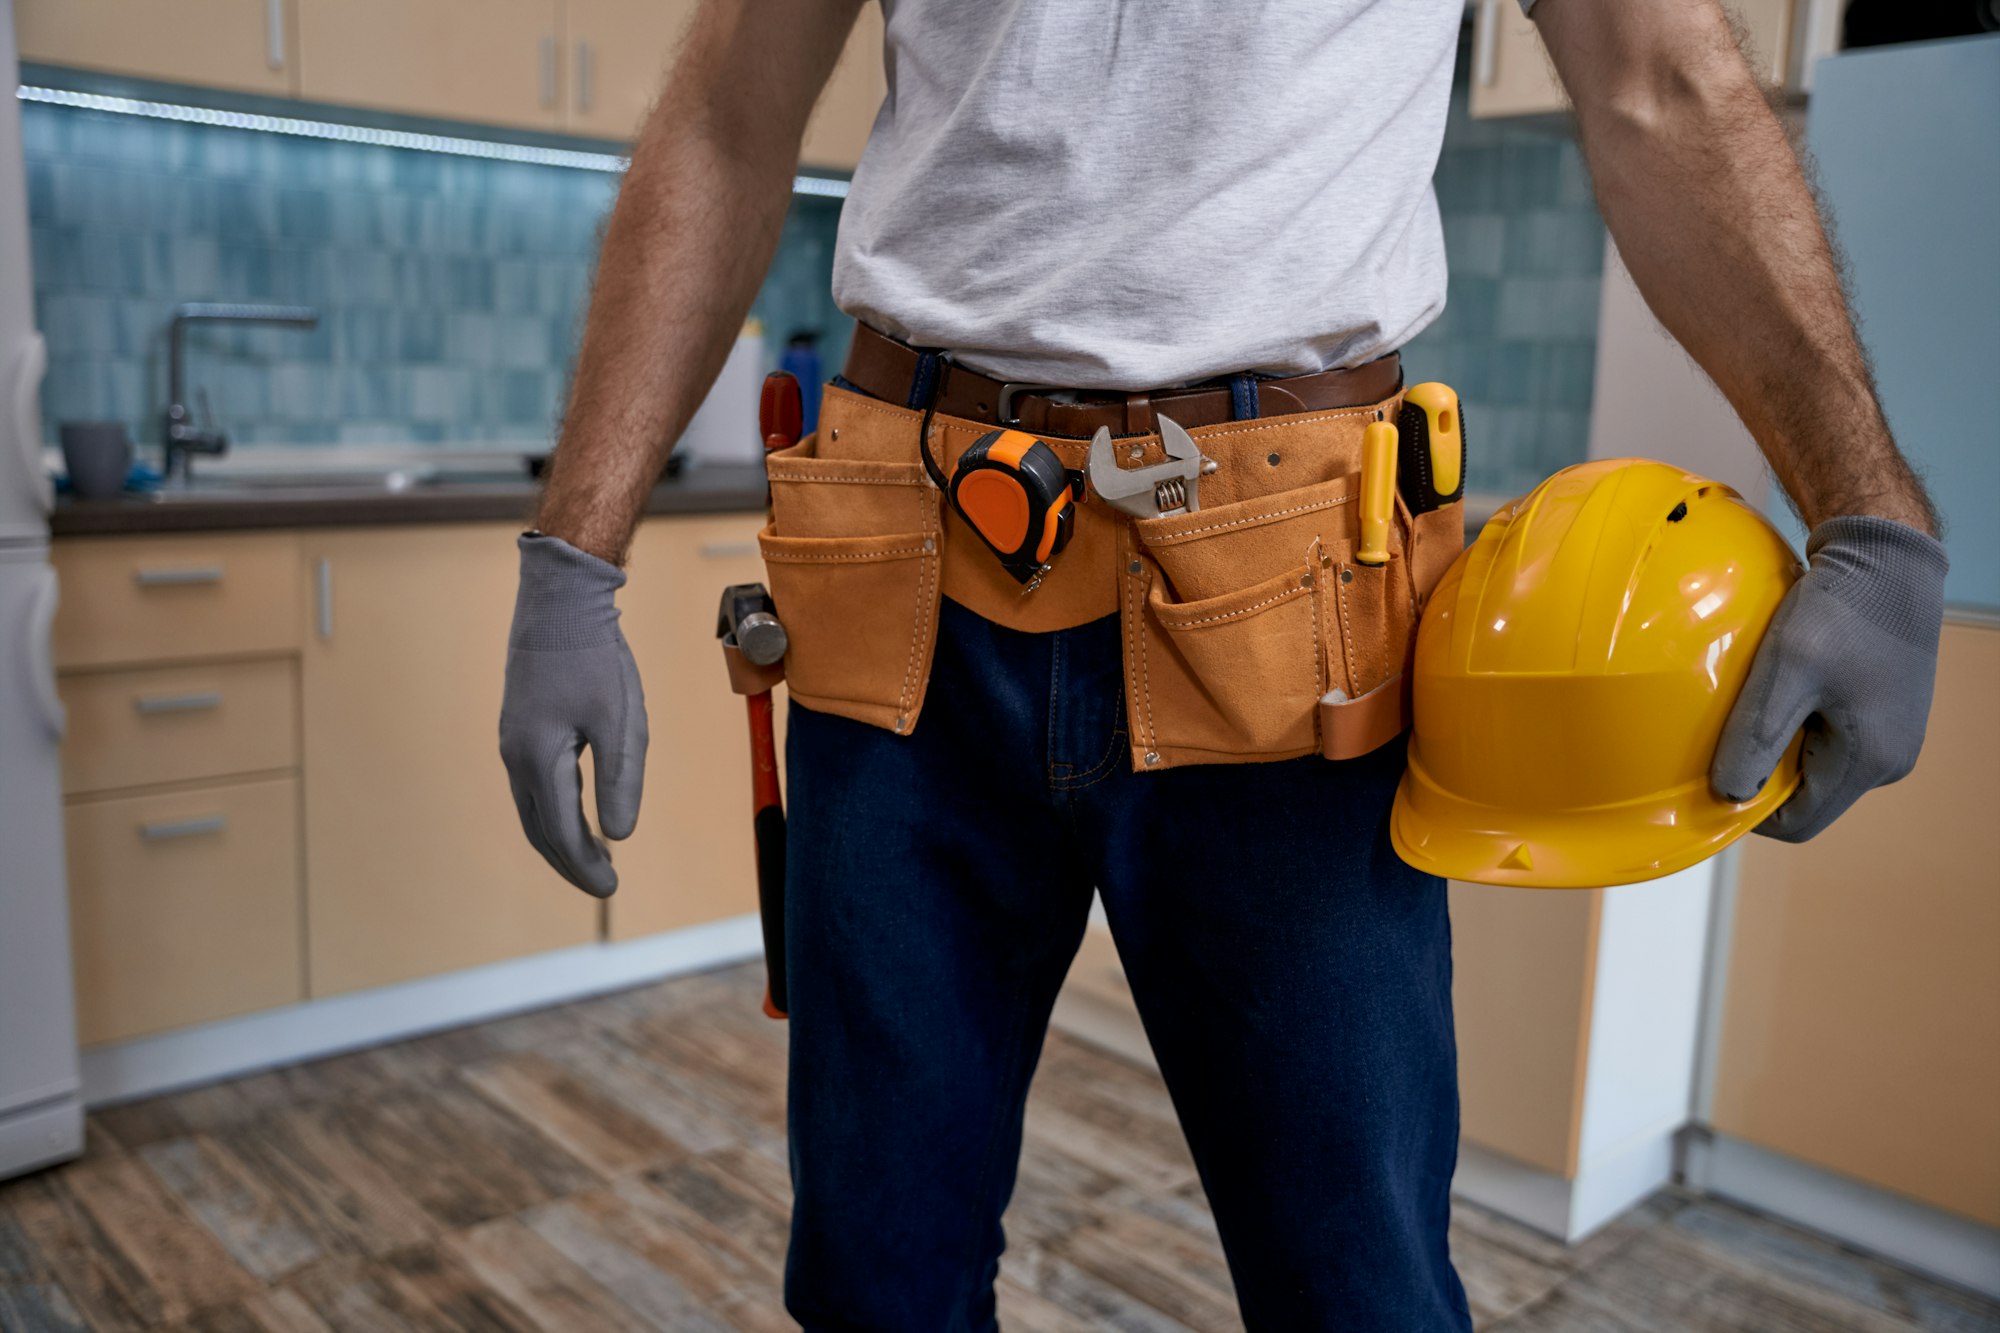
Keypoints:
(248, 45)
(282, 774)
(691, 859)
(838, 129)
(619, 51)
(415, 862)
(588, 67)
(184, 906)
(177, 664)
(1862, 993)
(498, 61)
(1512, 76)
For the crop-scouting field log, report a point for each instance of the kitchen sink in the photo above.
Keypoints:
(211, 487)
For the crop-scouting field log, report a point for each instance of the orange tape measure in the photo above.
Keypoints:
(1013, 491)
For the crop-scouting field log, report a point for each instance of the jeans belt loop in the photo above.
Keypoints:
(1243, 398)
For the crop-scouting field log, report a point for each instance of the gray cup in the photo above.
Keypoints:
(98, 454)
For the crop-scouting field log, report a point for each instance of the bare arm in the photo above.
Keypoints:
(696, 222)
(1712, 215)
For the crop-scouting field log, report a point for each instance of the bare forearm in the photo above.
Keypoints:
(1712, 215)
(696, 222)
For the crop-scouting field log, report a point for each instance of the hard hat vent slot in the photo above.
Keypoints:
(1680, 511)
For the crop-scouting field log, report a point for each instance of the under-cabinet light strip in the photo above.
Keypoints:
(298, 128)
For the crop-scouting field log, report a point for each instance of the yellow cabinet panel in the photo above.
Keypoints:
(691, 859)
(1864, 971)
(184, 906)
(1511, 74)
(179, 724)
(619, 51)
(157, 599)
(498, 61)
(1524, 962)
(415, 861)
(246, 44)
(838, 130)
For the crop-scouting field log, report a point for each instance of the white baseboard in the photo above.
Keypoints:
(1943, 1244)
(1568, 1210)
(313, 1028)
(40, 1135)
(1526, 1194)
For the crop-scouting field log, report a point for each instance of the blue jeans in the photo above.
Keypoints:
(1293, 975)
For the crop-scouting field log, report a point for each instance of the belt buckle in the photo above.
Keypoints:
(1003, 410)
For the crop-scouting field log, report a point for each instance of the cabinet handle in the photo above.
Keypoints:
(152, 706)
(323, 597)
(1486, 42)
(583, 63)
(274, 33)
(727, 550)
(549, 72)
(168, 829)
(178, 578)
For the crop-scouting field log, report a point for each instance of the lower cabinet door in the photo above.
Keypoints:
(184, 906)
(691, 860)
(415, 861)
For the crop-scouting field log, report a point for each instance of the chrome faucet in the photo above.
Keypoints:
(181, 436)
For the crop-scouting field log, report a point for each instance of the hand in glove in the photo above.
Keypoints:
(1851, 656)
(571, 682)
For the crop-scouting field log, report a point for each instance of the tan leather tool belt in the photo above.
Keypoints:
(1250, 631)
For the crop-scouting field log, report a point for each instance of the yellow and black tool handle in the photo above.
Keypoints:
(1431, 427)
(1014, 491)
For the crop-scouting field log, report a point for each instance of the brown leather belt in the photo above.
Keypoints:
(884, 368)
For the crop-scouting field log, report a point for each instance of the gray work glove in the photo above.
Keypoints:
(1851, 656)
(571, 682)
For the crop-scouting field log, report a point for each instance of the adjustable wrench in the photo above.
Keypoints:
(1158, 490)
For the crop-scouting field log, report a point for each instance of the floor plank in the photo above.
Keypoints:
(619, 1164)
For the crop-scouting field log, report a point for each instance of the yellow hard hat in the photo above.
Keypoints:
(1573, 672)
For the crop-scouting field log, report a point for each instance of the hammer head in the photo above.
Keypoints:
(748, 620)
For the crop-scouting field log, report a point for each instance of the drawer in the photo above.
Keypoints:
(158, 599)
(173, 724)
(184, 908)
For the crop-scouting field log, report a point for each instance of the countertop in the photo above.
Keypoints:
(234, 504)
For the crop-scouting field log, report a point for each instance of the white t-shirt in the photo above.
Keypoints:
(1128, 194)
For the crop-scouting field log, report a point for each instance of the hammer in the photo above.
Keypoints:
(753, 648)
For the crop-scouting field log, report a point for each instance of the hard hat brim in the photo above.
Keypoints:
(1596, 847)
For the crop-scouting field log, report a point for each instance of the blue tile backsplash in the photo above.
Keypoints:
(452, 289)
(1518, 338)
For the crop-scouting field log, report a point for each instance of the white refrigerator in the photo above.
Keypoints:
(41, 1110)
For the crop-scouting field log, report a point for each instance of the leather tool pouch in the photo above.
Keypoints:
(1239, 619)
(852, 559)
(1251, 632)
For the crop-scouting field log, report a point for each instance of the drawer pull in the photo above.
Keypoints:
(178, 703)
(726, 550)
(178, 578)
(182, 828)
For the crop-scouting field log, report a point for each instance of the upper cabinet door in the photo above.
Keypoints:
(619, 51)
(498, 61)
(838, 130)
(245, 44)
(1511, 74)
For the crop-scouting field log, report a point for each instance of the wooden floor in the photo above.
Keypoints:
(619, 1164)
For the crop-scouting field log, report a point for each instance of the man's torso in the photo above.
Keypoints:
(1129, 195)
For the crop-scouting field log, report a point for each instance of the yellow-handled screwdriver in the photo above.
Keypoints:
(1378, 491)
